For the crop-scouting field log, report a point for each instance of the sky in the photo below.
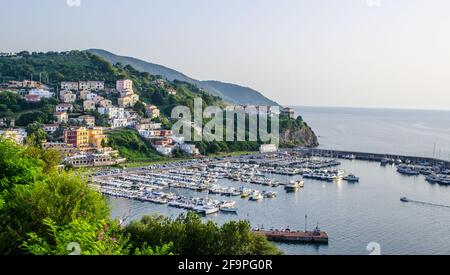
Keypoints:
(359, 53)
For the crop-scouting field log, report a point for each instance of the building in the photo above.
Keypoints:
(51, 128)
(128, 101)
(165, 150)
(105, 103)
(91, 96)
(148, 126)
(67, 96)
(82, 137)
(65, 107)
(97, 137)
(92, 160)
(98, 99)
(160, 83)
(83, 94)
(190, 149)
(88, 105)
(150, 134)
(16, 135)
(124, 85)
(171, 91)
(112, 112)
(91, 85)
(119, 123)
(87, 120)
(63, 148)
(166, 133)
(72, 86)
(268, 148)
(152, 111)
(32, 98)
(41, 93)
(61, 117)
(288, 112)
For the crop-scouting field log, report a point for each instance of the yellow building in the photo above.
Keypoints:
(82, 137)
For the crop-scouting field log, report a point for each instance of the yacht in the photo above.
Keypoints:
(228, 209)
(256, 196)
(351, 178)
(293, 186)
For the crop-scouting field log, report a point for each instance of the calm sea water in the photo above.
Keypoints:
(354, 215)
(408, 132)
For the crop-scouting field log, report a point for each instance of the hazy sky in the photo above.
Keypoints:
(375, 53)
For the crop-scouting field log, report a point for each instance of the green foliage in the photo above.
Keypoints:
(16, 167)
(36, 134)
(132, 146)
(13, 105)
(192, 237)
(93, 238)
(42, 214)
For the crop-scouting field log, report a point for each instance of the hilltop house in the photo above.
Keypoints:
(88, 105)
(91, 85)
(61, 117)
(72, 86)
(64, 107)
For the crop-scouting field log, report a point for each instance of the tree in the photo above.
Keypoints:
(61, 197)
(190, 236)
(36, 134)
(86, 238)
(16, 167)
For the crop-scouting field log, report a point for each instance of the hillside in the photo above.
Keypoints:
(239, 93)
(54, 67)
(230, 93)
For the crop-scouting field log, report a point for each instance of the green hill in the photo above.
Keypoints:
(230, 93)
(53, 67)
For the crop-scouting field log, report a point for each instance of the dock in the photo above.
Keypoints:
(372, 156)
(316, 236)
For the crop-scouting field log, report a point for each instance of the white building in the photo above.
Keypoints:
(91, 96)
(16, 135)
(189, 149)
(73, 86)
(148, 126)
(178, 139)
(112, 112)
(40, 93)
(119, 123)
(64, 107)
(51, 128)
(165, 150)
(268, 148)
(91, 85)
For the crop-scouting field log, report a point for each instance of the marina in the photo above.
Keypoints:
(373, 203)
(159, 184)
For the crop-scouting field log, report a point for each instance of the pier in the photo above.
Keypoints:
(372, 156)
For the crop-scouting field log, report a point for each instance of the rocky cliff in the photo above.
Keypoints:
(298, 135)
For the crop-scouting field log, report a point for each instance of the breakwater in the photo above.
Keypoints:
(372, 156)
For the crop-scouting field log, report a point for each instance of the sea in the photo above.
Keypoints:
(360, 218)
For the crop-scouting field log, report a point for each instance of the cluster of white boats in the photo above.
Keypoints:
(156, 183)
(433, 174)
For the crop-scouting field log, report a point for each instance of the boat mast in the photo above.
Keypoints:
(306, 222)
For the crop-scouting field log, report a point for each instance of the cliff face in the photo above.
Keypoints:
(298, 136)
